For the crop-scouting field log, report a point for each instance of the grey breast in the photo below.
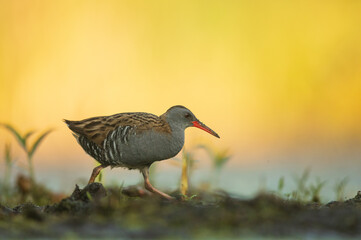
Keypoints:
(124, 147)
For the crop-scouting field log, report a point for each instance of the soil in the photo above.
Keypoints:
(132, 213)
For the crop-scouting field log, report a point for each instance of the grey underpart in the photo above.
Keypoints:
(124, 148)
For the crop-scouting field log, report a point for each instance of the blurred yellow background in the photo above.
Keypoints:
(271, 77)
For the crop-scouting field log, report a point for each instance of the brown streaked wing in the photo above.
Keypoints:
(96, 129)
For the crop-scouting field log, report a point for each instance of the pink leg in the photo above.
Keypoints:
(149, 187)
(95, 173)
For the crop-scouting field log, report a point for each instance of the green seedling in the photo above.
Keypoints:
(89, 196)
(302, 192)
(24, 143)
(152, 173)
(339, 188)
(187, 163)
(9, 162)
(184, 177)
(306, 192)
(315, 190)
(219, 159)
(188, 198)
(281, 184)
(100, 177)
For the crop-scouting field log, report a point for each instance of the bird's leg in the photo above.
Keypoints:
(149, 187)
(95, 173)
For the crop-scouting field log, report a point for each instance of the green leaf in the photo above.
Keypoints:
(188, 198)
(37, 142)
(208, 150)
(221, 160)
(8, 157)
(89, 196)
(28, 134)
(281, 184)
(100, 177)
(17, 135)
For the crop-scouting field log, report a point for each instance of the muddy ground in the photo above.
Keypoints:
(129, 213)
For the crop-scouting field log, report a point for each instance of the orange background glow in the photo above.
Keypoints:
(268, 76)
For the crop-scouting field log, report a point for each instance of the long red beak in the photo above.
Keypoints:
(202, 126)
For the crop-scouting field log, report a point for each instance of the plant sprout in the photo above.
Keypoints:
(302, 192)
(184, 183)
(187, 164)
(219, 158)
(9, 161)
(29, 150)
(340, 189)
(307, 192)
(281, 184)
(316, 189)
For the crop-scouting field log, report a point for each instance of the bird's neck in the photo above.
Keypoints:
(174, 140)
(176, 130)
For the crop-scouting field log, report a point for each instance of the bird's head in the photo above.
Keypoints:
(182, 117)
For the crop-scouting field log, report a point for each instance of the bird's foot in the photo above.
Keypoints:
(166, 196)
(152, 189)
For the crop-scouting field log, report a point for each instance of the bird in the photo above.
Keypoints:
(135, 140)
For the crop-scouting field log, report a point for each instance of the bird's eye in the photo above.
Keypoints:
(187, 115)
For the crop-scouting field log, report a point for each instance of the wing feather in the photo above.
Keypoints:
(97, 129)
